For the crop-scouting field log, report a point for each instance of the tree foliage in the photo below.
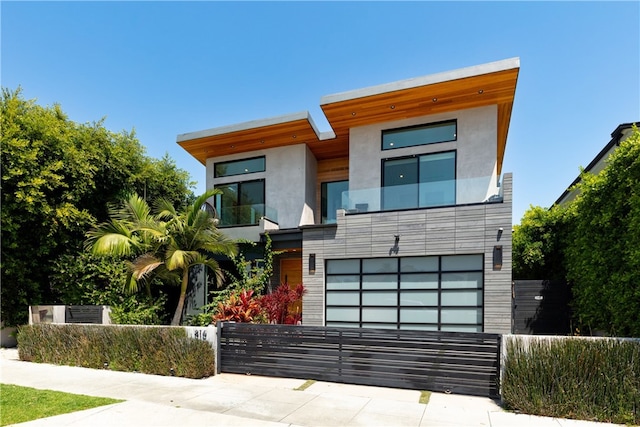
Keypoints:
(164, 245)
(58, 178)
(603, 250)
(539, 243)
(594, 244)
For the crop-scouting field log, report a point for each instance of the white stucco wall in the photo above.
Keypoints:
(476, 149)
(289, 182)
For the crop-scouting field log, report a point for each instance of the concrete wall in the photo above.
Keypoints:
(476, 146)
(289, 185)
(437, 231)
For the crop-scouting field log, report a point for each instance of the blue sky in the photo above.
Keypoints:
(166, 68)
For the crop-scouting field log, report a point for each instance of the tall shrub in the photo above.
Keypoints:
(589, 379)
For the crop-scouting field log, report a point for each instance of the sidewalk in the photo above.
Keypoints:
(239, 400)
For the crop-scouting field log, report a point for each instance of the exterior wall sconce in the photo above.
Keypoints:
(312, 263)
(497, 257)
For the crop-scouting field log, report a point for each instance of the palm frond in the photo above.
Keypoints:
(144, 265)
(111, 238)
(165, 210)
(179, 259)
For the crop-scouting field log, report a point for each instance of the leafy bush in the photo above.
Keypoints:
(150, 350)
(282, 305)
(596, 380)
(241, 307)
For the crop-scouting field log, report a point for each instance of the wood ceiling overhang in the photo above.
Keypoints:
(468, 92)
(492, 84)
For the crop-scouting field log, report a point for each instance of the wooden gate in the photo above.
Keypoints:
(450, 362)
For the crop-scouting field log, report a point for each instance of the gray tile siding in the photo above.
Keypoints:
(435, 231)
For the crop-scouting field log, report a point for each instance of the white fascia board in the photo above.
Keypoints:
(476, 70)
(253, 124)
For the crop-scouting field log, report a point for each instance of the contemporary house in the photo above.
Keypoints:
(399, 217)
(598, 163)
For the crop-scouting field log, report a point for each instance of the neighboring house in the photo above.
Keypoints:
(400, 217)
(621, 133)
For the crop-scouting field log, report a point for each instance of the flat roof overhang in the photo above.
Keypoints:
(477, 86)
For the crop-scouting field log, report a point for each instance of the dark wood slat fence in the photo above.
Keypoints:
(452, 362)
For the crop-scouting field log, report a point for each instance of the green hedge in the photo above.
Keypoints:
(150, 350)
(597, 380)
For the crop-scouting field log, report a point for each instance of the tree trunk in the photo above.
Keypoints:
(183, 293)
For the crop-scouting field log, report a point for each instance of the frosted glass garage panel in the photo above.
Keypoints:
(461, 328)
(379, 314)
(419, 281)
(343, 298)
(343, 282)
(419, 298)
(380, 298)
(343, 314)
(461, 315)
(342, 266)
(381, 281)
(343, 325)
(408, 327)
(461, 262)
(450, 298)
(380, 265)
(419, 315)
(462, 280)
(423, 263)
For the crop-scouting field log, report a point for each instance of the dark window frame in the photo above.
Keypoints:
(239, 184)
(417, 157)
(323, 208)
(215, 165)
(422, 125)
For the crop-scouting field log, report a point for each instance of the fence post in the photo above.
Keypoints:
(219, 347)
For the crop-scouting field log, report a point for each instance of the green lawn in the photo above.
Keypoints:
(21, 404)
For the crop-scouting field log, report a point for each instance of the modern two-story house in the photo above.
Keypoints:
(399, 217)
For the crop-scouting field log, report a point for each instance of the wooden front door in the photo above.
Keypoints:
(291, 274)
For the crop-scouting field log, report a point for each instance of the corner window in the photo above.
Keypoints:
(419, 135)
(421, 181)
(239, 167)
(241, 203)
(332, 199)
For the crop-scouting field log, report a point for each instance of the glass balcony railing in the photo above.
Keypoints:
(245, 215)
(423, 195)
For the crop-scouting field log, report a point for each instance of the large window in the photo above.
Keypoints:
(332, 199)
(425, 293)
(241, 203)
(420, 181)
(239, 167)
(419, 135)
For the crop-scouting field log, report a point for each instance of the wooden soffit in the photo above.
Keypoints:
(250, 136)
(451, 95)
(483, 85)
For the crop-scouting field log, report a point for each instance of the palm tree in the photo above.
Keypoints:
(165, 245)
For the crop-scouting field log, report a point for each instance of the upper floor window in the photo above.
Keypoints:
(239, 167)
(419, 135)
(241, 203)
(420, 181)
(332, 199)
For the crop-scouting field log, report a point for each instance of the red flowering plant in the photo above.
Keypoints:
(240, 307)
(284, 305)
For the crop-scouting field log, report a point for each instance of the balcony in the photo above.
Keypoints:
(245, 215)
(423, 195)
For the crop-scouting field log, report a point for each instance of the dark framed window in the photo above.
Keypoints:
(420, 135)
(331, 199)
(443, 293)
(239, 167)
(241, 203)
(419, 181)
